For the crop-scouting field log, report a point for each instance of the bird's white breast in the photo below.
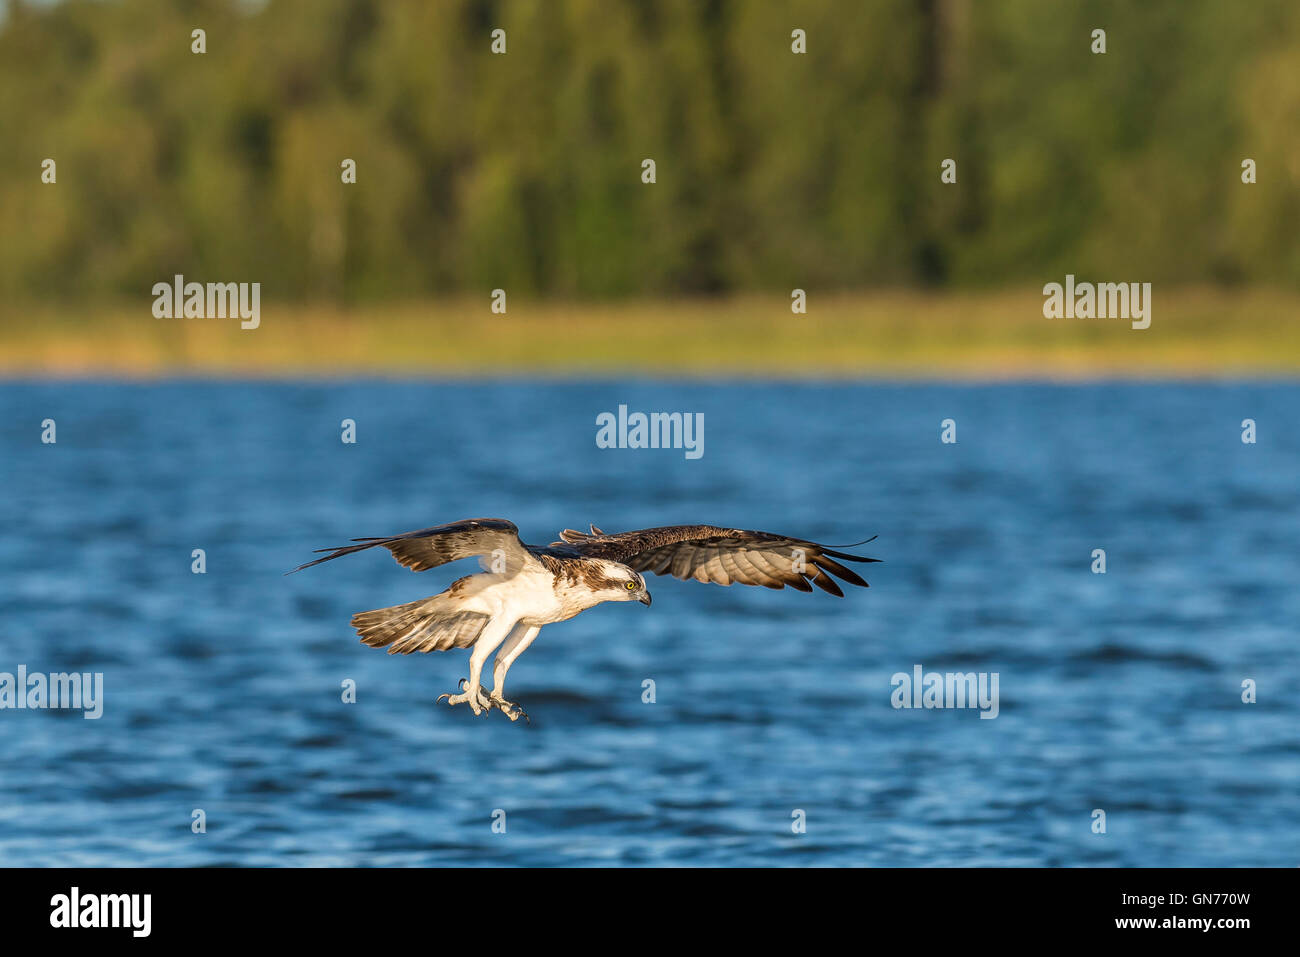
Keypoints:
(530, 596)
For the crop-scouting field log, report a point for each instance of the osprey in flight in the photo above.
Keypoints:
(524, 587)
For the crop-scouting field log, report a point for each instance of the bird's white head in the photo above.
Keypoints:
(614, 581)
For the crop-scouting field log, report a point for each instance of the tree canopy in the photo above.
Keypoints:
(523, 170)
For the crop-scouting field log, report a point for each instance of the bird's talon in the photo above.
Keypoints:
(513, 711)
(507, 708)
(477, 703)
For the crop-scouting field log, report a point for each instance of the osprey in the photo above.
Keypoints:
(524, 587)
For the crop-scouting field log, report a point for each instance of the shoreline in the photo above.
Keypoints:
(1195, 334)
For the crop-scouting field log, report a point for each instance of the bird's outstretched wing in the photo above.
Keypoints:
(708, 553)
(429, 547)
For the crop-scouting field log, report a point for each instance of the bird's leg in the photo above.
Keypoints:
(519, 639)
(478, 702)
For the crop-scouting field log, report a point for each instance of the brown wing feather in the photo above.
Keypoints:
(429, 547)
(709, 553)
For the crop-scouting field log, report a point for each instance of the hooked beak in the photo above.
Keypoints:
(645, 599)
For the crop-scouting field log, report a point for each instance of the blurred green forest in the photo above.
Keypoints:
(523, 170)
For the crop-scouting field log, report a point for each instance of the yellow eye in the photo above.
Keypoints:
(631, 586)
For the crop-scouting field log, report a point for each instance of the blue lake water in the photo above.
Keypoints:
(222, 691)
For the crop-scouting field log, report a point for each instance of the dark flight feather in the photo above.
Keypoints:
(437, 545)
(707, 553)
(710, 553)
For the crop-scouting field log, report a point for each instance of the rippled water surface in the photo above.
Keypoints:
(1119, 692)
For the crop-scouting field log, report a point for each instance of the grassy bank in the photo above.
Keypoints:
(1193, 333)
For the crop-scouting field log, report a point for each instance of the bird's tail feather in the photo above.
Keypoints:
(422, 625)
